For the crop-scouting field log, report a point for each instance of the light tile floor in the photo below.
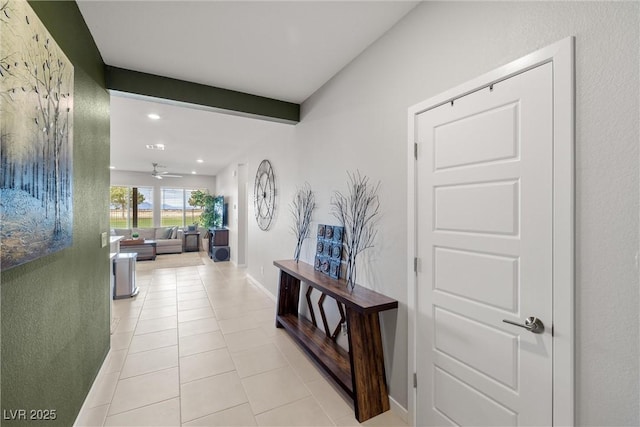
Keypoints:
(198, 347)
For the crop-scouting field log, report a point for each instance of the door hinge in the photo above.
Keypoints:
(415, 150)
(416, 264)
(415, 380)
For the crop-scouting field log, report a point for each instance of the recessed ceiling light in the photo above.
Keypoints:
(153, 116)
(200, 161)
(112, 167)
(193, 172)
(155, 146)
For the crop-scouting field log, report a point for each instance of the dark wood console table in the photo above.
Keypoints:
(360, 371)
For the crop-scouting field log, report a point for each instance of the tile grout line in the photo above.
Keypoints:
(217, 412)
(179, 366)
(106, 415)
(146, 293)
(143, 406)
(222, 334)
(125, 358)
(307, 387)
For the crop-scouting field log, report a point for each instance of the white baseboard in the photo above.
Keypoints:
(83, 408)
(235, 264)
(399, 410)
(260, 286)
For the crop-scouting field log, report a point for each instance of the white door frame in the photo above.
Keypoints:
(561, 54)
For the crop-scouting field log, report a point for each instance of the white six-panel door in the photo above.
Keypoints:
(484, 227)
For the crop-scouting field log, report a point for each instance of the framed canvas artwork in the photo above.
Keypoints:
(36, 142)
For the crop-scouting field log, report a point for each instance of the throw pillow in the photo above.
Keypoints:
(146, 233)
(174, 233)
(164, 233)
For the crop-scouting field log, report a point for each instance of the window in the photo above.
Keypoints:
(124, 214)
(179, 207)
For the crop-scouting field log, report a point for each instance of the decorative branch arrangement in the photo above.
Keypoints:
(301, 208)
(358, 213)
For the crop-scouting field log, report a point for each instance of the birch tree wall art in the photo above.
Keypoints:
(36, 139)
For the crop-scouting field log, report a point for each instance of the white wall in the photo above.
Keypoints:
(278, 242)
(358, 121)
(242, 215)
(227, 186)
(141, 179)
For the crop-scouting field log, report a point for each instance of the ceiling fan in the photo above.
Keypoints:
(159, 175)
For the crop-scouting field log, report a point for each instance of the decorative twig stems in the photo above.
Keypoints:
(301, 209)
(358, 212)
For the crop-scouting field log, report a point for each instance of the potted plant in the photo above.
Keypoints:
(204, 200)
(207, 218)
(135, 235)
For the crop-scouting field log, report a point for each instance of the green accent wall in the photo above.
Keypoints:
(155, 86)
(55, 310)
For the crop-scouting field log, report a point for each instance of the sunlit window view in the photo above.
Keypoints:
(122, 211)
(179, 207)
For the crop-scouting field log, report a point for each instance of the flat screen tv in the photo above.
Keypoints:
(218, 212)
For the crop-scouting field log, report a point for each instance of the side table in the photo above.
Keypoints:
(360, 371)
(192, 241)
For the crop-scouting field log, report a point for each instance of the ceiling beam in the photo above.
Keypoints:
(224, 100)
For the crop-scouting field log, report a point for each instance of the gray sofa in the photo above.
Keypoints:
(169, 240)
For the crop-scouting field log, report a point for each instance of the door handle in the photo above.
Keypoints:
(532, 324)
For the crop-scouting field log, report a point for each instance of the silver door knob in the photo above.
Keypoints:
(532, 324)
